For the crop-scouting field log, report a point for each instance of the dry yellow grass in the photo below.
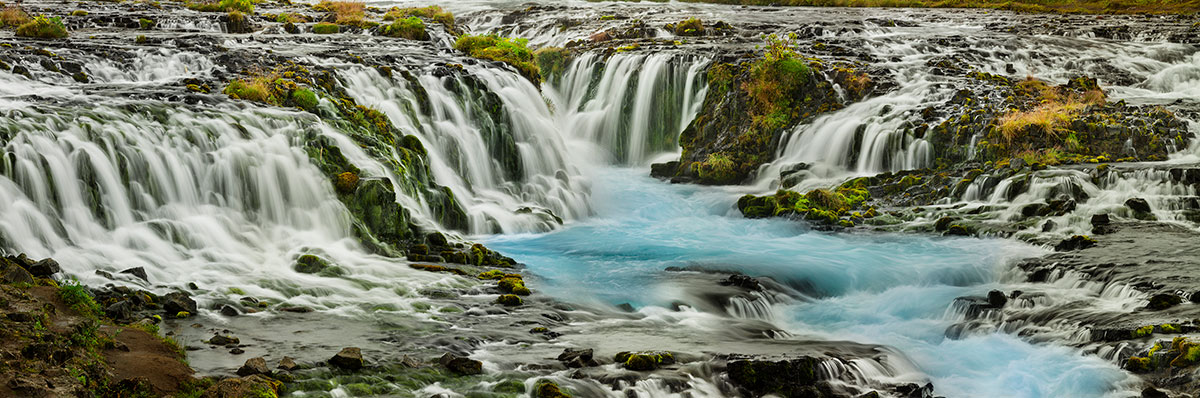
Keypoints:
(1049, 118)
(13, 16)
(345, 12)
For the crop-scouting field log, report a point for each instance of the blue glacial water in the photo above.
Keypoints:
(884, 289)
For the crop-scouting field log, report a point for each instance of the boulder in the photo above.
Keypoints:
(223, 340)
(45, 268)
(1138, 205)
(254, 366)
(138, 272)
(176, 302)
(14, 274)
(997, 299)
(577, 358)
(788, 377)
(461, 365)
(1163, 301)
(228, 310)
(310, 264)
(1077, 242)
(120, 311)
(644, 360)
(252, 386)
(349, 358)
(288, 364)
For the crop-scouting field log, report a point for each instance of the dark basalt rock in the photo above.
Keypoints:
(1077, 242)
(218, 339)
(139, 272)
(996, 299)
(1163, 301)
(349, 358)
(1138, 205)
(789, 378)
(742, 281)
(577, 358)
(45, 268)
(461, 365)
(177, 302)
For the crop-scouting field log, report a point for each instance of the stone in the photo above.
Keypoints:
(254, 366)
(228, 310)
(252, 386)
(138, 272)
(461, 365)
(1163, 301)
(45, 268)
(1138, 205)
(626, 307)
(14, 274)
(349, 358)
(310, 264)
(997, 299)
(288, 364)
(1151, 392)
(1077, 242)
(1100, 220)
(119, 311)
(644, 360)
(223, 340)
(176, 302)
(577, 358)
(742, 281)
(789, 377)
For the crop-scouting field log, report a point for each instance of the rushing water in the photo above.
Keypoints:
(885, 289)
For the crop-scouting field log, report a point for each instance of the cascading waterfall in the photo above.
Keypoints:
(631, 105)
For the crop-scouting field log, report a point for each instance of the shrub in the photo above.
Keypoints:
(78, 298)
(12, 17)
(775, 80)
(411, 28)
(43, 27)
(503, 49)
(325, 28)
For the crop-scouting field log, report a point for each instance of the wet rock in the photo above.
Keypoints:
(1163, 301)
(1101, 224)
(254, 366)
(997, 299)
(1077, 242)
(288, 364)
(957, 230)
(461, 365)
(237, 351)
(45, 268)
(252, 386)
(218, 339)
(790, 378)
(228, 310)
(349, 358)
(176, 302)
(943, 224)
(644, 360)
(138, 272)
(1195, 297)
(742, 281)
(577, 358)
(1138, 205)
(310, 264)
(1151, 392)
(548, 389)
(626, 307)
(509, 300)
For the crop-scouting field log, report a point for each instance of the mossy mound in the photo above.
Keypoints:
(644, 360)
(503, 49)
(43, 27)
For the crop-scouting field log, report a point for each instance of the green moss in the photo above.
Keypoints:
(717, 169)
(79, 13)
(435, 13)
(514, 285)
(43, 27)
(325, 28)
(510, 51)
(310, 264)
(245, 6)
(411, 28)
(552, 62)
(690, 27)
(305, 99)
(776, 81)
(146, 24)
(509, 300)
(1170, 328)
(1143, 331)
(1139, 365)
(644, 360)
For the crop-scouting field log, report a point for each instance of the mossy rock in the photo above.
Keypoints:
(548, 389)
(509, 300)
(644, 360)
(310, 264)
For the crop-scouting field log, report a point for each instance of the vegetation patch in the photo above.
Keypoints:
(552, 62)
(1029, 6)
(434, 13)
(244, 6)
(325, 28)
(13, 16)
(344, 12)
(507, 50)
(43, 27)
(411, 28)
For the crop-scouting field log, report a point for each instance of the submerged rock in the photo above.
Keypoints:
(577, 358)
(254, 366)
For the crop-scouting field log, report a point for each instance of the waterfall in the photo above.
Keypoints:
(632, 105)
